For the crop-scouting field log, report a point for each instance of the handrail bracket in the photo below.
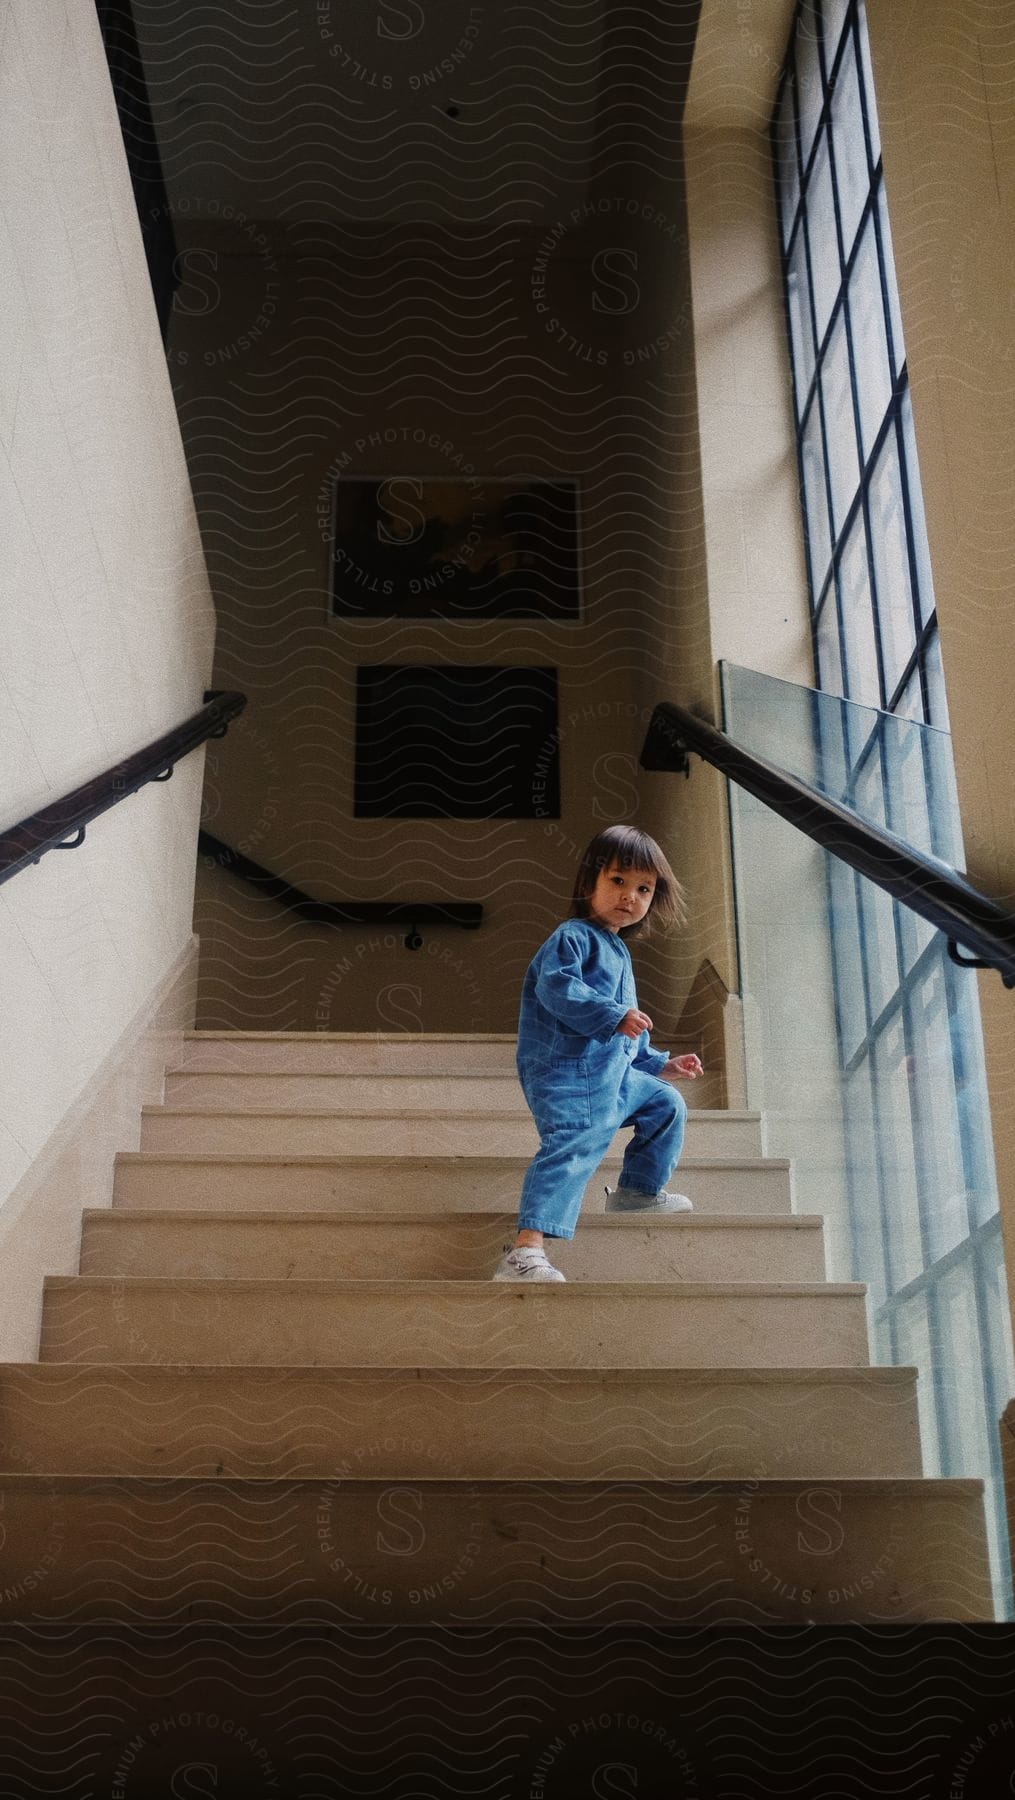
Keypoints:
(977, 962)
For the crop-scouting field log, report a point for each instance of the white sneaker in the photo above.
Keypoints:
(626, 1200)
(528, 1263)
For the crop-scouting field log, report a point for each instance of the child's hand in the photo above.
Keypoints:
(682, 1068)
(633, 1024)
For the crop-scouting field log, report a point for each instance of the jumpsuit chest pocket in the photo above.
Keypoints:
(563, 1101)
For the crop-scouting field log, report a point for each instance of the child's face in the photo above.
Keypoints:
(621, 897)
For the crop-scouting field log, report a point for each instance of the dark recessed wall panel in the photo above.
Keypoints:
(453, 741)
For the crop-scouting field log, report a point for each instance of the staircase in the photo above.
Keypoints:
(284, 1389)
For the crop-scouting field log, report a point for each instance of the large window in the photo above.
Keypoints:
(875, 627)
(922, 1196)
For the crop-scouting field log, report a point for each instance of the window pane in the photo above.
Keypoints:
(834, 752)
(942, 791)
(848, 956)
(868, 78)
(999, 1314)
(967, 1432)
(852, 176)
(858, 619)
(918, 518)
(914, 1346)
(916, 933)
(829, 654)
(840, 428)
(808, 70)
(786, 157)
(909, 817)
(906, 783)
(798, 294)
(891, 564)
(894, 313)
(819, 544)
(893, 1085)
(868, 785)
(936, 685)
(971, 1098)
(864, 1183)
(834, 18)
(826, 269)
(943, 1176)
(910, 703)
(864, 744)
(870, 344)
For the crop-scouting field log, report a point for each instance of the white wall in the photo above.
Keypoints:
(106, 624)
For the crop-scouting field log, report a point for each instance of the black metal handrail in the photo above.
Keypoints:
(923, 883)
(48, 829)
(468, 914)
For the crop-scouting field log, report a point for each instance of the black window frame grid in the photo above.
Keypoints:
(871, 214)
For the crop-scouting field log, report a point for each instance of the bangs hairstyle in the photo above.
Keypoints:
(630, 848)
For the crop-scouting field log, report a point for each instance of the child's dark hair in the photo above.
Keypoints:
(629, 848)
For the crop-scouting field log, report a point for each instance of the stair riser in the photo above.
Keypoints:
(384, 1553)
(483, 1326)
(302, 1423)
(467, 1250)
(346, 1093)
(421, 1184)
(326, 1056)
(305, 1135)
(362, 1092)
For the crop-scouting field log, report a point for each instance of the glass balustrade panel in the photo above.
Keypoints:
(865, 1057)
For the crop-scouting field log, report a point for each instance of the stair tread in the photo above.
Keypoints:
(850, 1484)
(354, 1037)
(878, 1374)
(698, 1113)
(440, 1159)
(123, 1215)
(508, 1076)
(652, 1290)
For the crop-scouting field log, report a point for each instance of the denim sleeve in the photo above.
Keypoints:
(652, 1061)
(561, 988)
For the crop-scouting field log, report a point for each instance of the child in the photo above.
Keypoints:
(583, 1055)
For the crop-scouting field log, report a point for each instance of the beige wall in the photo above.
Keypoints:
(750, 563)
(758, 606)
(105, 623)
(401, 352)
(945, 77)
(40, 1220)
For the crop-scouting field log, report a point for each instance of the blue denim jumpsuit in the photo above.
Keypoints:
(583, 1082)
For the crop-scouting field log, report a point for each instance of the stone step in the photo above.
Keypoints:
(352, 1053)
(427, 1131)
(592, 1324)
(474, 1424)
(223, 1180)
(492, 1552)
(463, 1091)
(449, 1246)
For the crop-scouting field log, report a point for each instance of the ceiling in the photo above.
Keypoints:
(477, 112)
